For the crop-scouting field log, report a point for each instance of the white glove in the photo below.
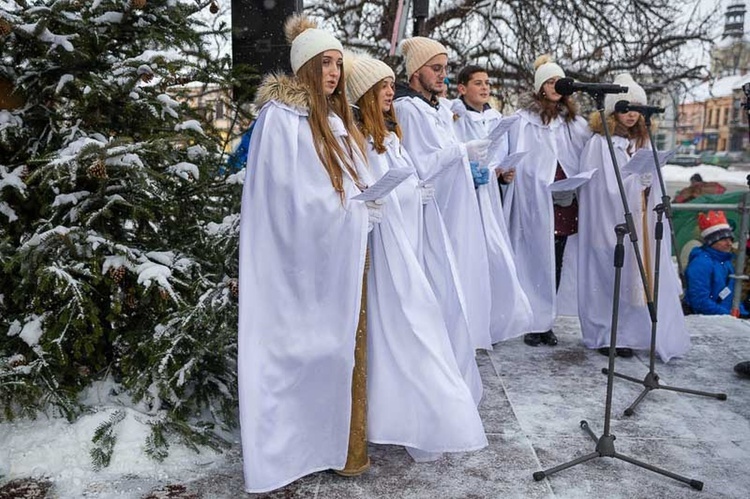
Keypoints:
(427, 193)
(374, 213)
(478, 150)
(563, 198)
(646, 179)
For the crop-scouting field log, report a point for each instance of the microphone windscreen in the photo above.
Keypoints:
(622, 106)
(564, 86)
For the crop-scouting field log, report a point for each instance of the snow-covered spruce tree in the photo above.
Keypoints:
(118, 243)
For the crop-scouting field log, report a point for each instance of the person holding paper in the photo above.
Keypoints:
(429, 409)
(601, 210)
(417, 206)
(475, 119)
(553, 135)
(303, 240)
(443, 160)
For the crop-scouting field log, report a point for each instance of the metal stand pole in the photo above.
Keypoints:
(739, 269)
(605, 445)
(651, 380)
(420, 12)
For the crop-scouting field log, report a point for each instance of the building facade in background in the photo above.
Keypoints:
(712, 117)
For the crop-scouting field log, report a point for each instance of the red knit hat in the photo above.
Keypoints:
(714, 227)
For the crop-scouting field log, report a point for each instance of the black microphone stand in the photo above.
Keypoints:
(651, 381)
(605, 446)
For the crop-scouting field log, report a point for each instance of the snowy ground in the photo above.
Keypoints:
(534, 400)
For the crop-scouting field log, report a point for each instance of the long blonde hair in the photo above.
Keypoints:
(373, 119)
(636, 133)
(330, 152)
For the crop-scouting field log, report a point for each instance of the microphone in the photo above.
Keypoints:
(566, 86)
(624, 106)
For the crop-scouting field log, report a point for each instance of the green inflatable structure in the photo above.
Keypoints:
(686, 221)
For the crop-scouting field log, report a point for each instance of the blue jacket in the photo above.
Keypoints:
(707, 274)
(238, 159)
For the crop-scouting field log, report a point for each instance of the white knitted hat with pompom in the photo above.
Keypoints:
(635, 94)
(362, 73)
(545, 68)
(307, 40)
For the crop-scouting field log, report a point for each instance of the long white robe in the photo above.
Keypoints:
(431, 142)
(511, 311)
(528, 204)
(302, 258)
(600, 210)
(416, 394)
(425, 230)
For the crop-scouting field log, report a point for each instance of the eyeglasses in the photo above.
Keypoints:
(438, 69)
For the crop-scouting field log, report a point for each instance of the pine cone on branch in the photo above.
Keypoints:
(213, 8)
(97, 170)
(116, 274)
(130, 299)
(5, 27)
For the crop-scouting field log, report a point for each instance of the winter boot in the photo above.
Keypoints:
(549, 338)
(533, 339)
(743, 369)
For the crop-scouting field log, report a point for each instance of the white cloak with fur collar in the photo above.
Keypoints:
(302, 256)
(600, 210)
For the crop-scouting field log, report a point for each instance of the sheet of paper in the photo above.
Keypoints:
(502, 127)
(442, 171)
(511, 160)
(572, 183)
(385, 185)
(497, 136)
(643, 161)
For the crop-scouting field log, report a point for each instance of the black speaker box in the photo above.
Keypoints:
(258, 33)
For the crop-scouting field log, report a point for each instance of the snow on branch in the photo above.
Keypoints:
(31, 331)
(71, 198)
(185, 170)
(64, 79)
(47, 36)
(193, 125)
(40, 238)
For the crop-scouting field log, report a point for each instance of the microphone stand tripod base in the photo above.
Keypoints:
(651, 382)
(605, 447)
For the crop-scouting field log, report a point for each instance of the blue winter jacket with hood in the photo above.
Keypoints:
(708, 274)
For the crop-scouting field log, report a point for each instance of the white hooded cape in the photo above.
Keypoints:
(302, 255)
(600, 210)
(416, 394)
(431, 142)
(425, 231)
(511, 311)
(528, 204)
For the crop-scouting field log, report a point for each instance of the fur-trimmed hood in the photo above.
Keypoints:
(285, 89)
